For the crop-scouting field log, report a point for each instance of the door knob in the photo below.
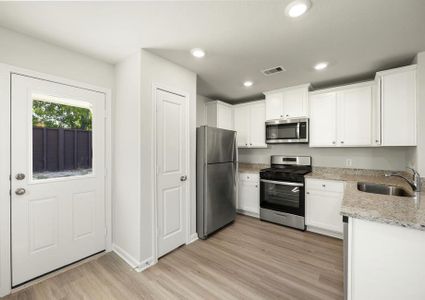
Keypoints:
(183, 178)
(20, 176)
(20, 191)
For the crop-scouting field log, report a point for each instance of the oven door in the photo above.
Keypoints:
(282, 196)
(282, 131)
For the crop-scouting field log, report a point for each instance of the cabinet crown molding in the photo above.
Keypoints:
(343, 87)
(305, 85)
(396, 70)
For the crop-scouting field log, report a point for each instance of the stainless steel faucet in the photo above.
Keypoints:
(415, 182)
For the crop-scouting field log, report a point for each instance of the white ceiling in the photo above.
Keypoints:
(240, 37)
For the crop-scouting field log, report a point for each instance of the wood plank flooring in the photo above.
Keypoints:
(249, 259)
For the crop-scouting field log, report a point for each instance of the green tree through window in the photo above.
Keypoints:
(56, 115)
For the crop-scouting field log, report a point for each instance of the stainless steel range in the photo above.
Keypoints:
(282, 191)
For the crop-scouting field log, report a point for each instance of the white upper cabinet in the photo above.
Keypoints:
(398, 106)
(323, 119)
(250, 125)
(220, 115)
(355, 116)
(242, 126)
(287, 103)
(274, 106)
(343, 116)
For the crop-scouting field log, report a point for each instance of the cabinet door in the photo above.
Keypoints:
(225, 117)
(322, 210)
(323, 120)
(242, 115)
(295, 103)
(274, 106)
(398, 96)
(355, 116)
(257, 125)
(249, 197)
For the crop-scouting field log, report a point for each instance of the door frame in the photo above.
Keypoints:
(6, 72)
(188, 237)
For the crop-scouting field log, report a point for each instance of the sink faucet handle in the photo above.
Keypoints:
(415, 173)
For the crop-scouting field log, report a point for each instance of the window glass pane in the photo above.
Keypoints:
(62, 138)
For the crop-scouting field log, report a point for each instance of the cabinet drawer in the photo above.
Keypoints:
(252, 177)
(324, 185)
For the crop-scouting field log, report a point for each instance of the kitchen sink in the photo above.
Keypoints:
(382, 189)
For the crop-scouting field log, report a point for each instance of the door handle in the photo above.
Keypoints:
(20, 191)
(183, 178)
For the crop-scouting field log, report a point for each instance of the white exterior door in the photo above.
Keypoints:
(171, 170)
(57, 176)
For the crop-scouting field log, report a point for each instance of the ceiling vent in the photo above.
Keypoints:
(273, 70)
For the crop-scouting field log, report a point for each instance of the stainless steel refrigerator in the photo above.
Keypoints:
(216, 163)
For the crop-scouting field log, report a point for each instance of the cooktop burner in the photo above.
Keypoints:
(289, 168)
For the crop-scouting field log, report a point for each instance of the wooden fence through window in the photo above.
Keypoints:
(59, 149)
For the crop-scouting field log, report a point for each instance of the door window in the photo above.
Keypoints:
(61, 138)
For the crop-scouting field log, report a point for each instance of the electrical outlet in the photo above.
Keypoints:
(348, 162)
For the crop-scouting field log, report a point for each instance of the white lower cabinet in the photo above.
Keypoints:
(249, 194)
(323, 205)
(385, 261)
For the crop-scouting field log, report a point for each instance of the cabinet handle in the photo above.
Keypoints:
(281, 116)
(308, 193)
(334, 142)
(256, 185)
(376, 141)
(250, 144)
(342, 142)
(323, 185)
(287, 115)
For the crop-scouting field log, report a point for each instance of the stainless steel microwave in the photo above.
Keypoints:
(284, 131)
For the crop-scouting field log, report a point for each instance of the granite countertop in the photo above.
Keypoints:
(251, 168)
(395, 210)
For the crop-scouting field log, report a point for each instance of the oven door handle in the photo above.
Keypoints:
(282, 182)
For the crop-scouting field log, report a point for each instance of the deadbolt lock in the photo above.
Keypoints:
(20, 176)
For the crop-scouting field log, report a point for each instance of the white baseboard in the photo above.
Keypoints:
(325, 232)
(248, 213)
(147, 263)
(193, 237)
(125, 256)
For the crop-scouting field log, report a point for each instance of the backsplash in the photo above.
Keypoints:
(377, 158)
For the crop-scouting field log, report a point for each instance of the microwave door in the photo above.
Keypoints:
(281, 133)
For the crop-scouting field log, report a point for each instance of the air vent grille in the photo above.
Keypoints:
(273, 70)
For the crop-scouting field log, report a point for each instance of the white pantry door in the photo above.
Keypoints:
(57, 176)
(172, 170)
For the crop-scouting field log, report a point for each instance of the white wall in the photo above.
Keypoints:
(201, 110)
(156, 70)
(388, 158)
(26, 52)
(126, 161)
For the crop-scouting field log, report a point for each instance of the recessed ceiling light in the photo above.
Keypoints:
(297, 8)
(248, 83)
(321, 66)
(197, 52)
